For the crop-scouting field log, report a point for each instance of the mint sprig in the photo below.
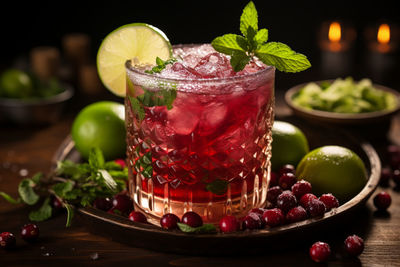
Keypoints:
(253, 42)
(204, 229)
(161, 64)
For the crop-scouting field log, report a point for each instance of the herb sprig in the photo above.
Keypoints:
(161, 64)
(253, 42)
(72, 184)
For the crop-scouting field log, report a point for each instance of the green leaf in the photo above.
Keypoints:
(26, 192)
(96, 158)
(282, 57)
(36, 178)
(228, 43)
(70, 214)
(261, 36)
(205, 228)
(249, 19)
(61, 189)
(137, 107)
(109, 181)
(43, 213)
(112, 166)
(239, 60)
(9, 198)
(218, 186)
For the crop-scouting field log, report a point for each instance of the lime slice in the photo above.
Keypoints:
(137, 40)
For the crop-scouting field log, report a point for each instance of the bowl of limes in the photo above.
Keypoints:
(25, 99)
(343, 101)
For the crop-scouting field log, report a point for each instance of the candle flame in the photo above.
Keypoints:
(383, 35)
(335, 32)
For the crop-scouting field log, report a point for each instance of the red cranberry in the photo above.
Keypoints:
(30, 232)
(259, 211)
(274, 179)
(136, 216)
(169, 221)
(316, 208)
(396, 177)
(382, 201)
(386, 174)
(229, 224)
(320, 251)
(306, 198)
(296, 214)
(252, 221)
(286, 201)
(103, 203)
(354, 245)
(330, 201)
(123, 203)
(301, 188)
(273, 217)
(273, 193)
(120, 162)
(56, 203)
(287, 180)
(287, 168)
(192, 219)
(7, 240)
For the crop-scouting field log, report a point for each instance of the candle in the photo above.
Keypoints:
(382, 45)
(335, 41)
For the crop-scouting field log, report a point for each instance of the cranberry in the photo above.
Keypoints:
(287, 168)
(382, 201)
(192, 219)
(120, 162)
(169, 221)
(259, 211)
(7, 240)
(273, 193)
(286, 201)
(136, 216)
(103, 203)
(330, 201)
(252, 221)
(273, 217)
(30, 232)
(386, 174)
(354, 245)
(396, 177)
(306, 198)
(287, 180)
(320, 251)
(301, 188)
(274, 179)
(229, 224)
(296, 214)
(316, 208)
(56, 203)
(123, 203)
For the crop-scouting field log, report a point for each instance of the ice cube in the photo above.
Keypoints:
(214, 65)
(183, 119)
(212, 117)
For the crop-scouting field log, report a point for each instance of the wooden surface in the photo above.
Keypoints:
(31, 149)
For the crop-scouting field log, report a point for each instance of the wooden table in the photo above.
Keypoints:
(31, 149)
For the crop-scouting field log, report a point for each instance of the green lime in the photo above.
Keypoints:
(333, 169)
(15, 84)
(289, 144)
(138, 41)
(101, 125)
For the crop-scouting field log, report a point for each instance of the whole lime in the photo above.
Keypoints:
(102, 125)
(289, 144)
(333, 169)
(15, 84)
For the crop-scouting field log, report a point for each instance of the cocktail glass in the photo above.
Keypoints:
(208, 151)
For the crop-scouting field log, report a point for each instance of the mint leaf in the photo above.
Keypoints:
(282, 57)
(218, 186)
(239, 60)
(36, 178)
(161, 64)
(229, 43)
(9, 198)
(205, 228)
(61, 189)
(109, 181)
(261, 36)
(96, 158)
(137, 107)
(43, 213)
(249, 20)
(26, 192)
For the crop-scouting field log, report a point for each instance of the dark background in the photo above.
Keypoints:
(26, 25)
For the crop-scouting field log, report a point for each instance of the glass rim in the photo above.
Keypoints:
(129, 67)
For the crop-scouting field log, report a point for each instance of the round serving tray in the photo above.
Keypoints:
(152, 237)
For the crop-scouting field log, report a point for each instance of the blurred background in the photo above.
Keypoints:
(300, 24)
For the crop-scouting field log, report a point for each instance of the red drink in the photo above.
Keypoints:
(210, 152)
